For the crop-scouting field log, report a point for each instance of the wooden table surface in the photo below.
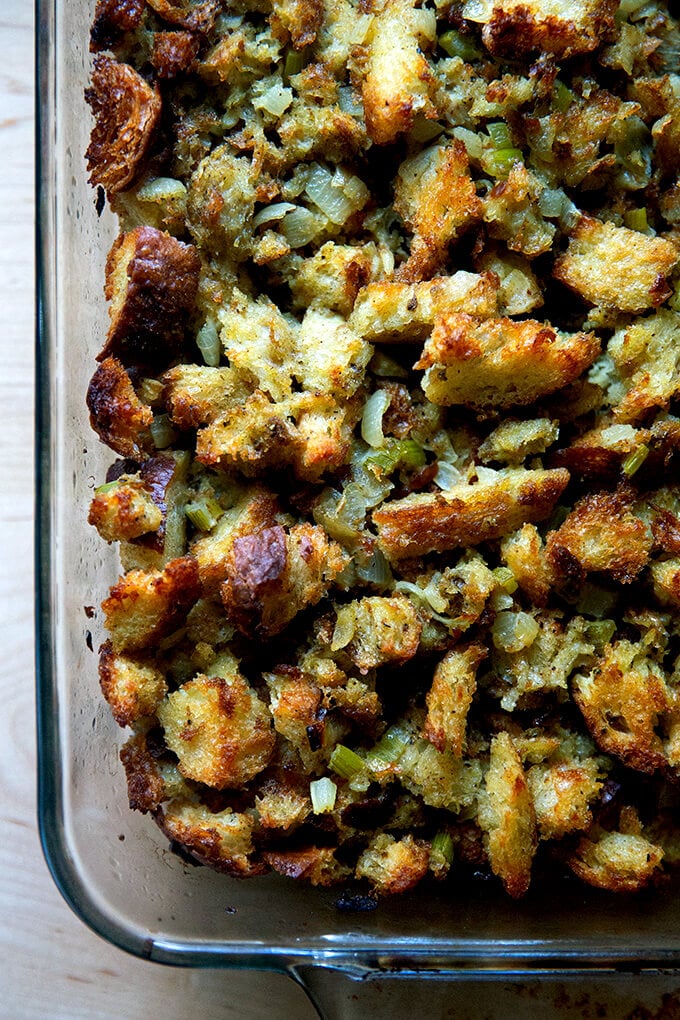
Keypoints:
(52, 966)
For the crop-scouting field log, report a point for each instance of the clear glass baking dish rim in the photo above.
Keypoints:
(356, 956)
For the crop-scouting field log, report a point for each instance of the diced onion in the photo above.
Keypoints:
(162, 431)
(447, 475)
(331, 199)
(345, 762)
(323, 793)
(275, 100)
(512, 632)
(371, 422)
(162, 189)
(272, 213)
(204, 513)
(345, 625)
(300, 226)
(441, 853)
(208, 343)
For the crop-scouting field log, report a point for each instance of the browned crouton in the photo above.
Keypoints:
(512, 212)
(467, 514)
(500, 362)
(282, 804)
(151, 282)
(398, 82)
(112, 19)
(194, 15)
(647, 359)
(333, 276)
(173, 53)
(450, 697)
(125, 511)
(127, 113)
(315, 864)
(132, 685)
(522, 27)
(222, 839)
(221, 203)
(392, 312)
(300, 717)
(616, 267)
(297, 20)
(513, 441)
(617, 861)
(376, 630)
(272, 574)
(524, 554)
(630, 710)
(562, 794)
(507, 816)
(255, 508)
(117, 415)
(219, 729)
(600, 533)
(666, 581)
(394, 865)
(436, 197)
(144, 606)
(196, 394)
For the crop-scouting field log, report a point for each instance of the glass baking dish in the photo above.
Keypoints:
(114, 867)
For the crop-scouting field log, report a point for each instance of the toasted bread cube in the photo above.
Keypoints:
(174, 53)
(648, 361)
(260, 342)
(281, 804)
(666, 581)
(196, 395)
(524, 553)
(315, 864)
(124, 512)
(507, 816)
(450, 697)
(300, 716)
(617, 861)
(436, 198)
(513, 441)
(386, 630)
(221, 202)
(518, 28)
(272, 574)
(562, 794)
(394, 865)
(519, 291)
(127, 113)
(298, 19)
(132, 685)
(151, 283)
(398, 81)
(391, 312)
(600, 533)
(500, 362)
(150, 779)
(223, 839)
(193, 15)
(255, 509)
(616, 267)
(628, 707)
(467, 514)
(332, 357)
(117, 415)
(146, 605)
(334, 275)
(439, 778)
(512, 212)
(219, 729)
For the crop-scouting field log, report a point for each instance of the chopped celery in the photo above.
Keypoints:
(345, 762)
(162, 432)
(441, 853)
(600, 632)
(457, 45)
(107, 487)
(506, 579)
(636, 219)
(635, 460)
(501, 161)
(595, 601)
(391, 745)
(499, 133)
(204, 513)
(293, 63)
(563, 97)
(402, 453)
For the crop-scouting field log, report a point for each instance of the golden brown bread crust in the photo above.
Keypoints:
(467, 514)
(133, 686)
(151, 283)
(317, 865)
(127, 113)
(297, 20)
(195, 17)
(450, 697)
(117, 415)
(500, 362)
(515, 27)
(145, 606)
(174, 53)
(112, 19)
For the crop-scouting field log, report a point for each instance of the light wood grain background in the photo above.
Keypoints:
(51, 966)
